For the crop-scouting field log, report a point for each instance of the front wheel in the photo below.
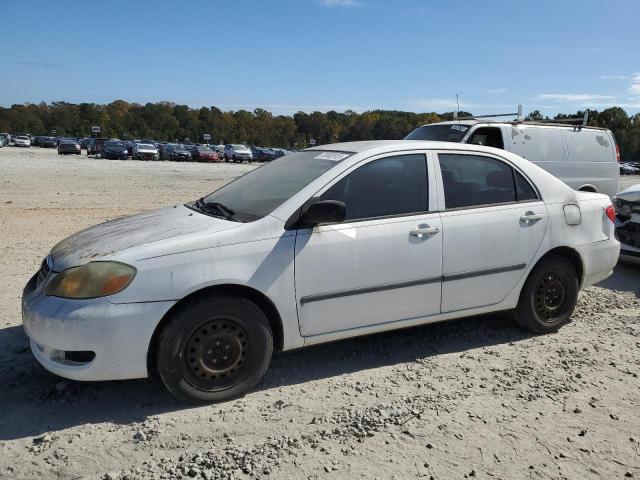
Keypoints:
(214, 349)
(549, 296)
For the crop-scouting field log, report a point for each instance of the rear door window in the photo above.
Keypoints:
(524, 190)
(475, 180)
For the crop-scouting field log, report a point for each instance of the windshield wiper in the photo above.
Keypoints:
(215, 208)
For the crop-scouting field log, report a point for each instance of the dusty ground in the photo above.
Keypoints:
(473, 398)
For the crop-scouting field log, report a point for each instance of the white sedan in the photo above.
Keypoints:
(22, 141)
(331, 242)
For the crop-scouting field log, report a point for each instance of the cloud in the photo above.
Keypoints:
(40, 64)
(497, 90)
(614, 77)
(573, 97)
(634, 89)
(340, 3)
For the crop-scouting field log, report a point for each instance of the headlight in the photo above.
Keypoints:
(93, 280)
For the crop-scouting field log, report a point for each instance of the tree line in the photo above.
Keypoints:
(167, 121)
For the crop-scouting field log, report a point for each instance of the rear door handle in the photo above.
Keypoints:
(424, 231)
(530, 217)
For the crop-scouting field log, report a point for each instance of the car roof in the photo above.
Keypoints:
(391, 145)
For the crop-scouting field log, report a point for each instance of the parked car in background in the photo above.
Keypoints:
(280, 152)
(627, 204)
(161, 147)
(585, 158)
(115, 150)
(261, 154)
(48, 142)
(203, 293)
(176, 152)
(67, 146)
(96, 146)
(129, 144)
(201, 153)
(145, 151)
(21, 141)
(630, 168)
(84, 142)
(237, 153)
(5, 137)
(219, 150)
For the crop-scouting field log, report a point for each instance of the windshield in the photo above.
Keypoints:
(204, 150)
(440, 133)
(146, 146)
(239, 147)
(262, 190)
(114, 145)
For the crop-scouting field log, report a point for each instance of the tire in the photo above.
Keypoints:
(549, 296)
(197, 337)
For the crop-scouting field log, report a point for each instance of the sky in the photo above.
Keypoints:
(284, 56)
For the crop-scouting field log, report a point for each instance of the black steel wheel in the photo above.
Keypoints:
(549, 295)
(214, 354)
(214, 349)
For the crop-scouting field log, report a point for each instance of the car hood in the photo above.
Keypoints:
(147, 150)
(108, 239)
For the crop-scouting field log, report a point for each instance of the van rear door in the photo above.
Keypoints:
(591, 154)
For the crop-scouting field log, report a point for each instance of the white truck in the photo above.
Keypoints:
(585, 158)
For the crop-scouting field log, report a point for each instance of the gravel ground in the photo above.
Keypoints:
(471, 398)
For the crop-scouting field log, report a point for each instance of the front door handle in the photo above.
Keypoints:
(424, 231)
(530, 217)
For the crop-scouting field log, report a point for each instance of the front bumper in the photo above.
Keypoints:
(118, 335)
(628, 232)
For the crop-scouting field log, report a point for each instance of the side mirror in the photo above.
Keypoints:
(325, 211)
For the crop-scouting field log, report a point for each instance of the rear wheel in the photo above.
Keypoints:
(214, 349)
(549, 296)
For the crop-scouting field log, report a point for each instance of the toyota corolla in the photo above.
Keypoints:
(328, 243)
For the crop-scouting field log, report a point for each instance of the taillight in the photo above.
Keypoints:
(617, 152)
(611, 213)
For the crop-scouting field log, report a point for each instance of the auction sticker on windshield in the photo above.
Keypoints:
(333, 156)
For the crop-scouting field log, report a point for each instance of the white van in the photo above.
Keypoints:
(585, 158)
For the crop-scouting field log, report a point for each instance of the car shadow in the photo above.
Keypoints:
(37, 402)
(625, 278)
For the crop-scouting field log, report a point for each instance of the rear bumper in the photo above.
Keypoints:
(598, 260)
